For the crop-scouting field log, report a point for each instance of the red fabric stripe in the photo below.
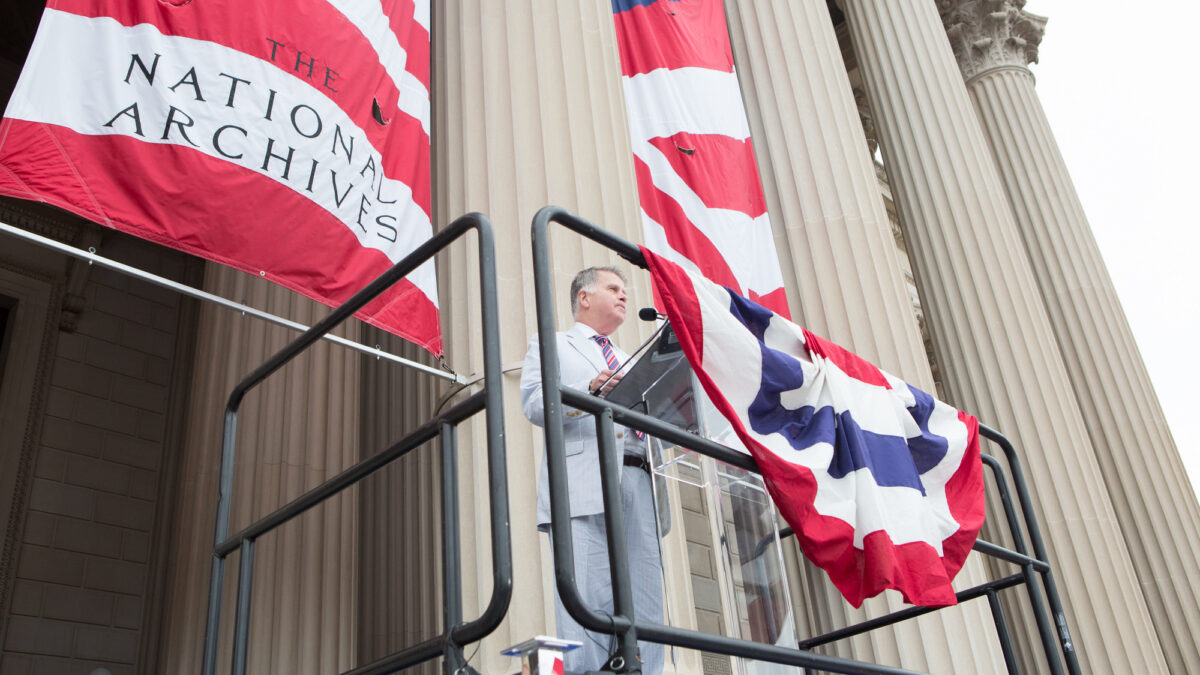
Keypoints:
(674, 35)
(321, 32)
(691, 242)
(915, 569)
(409, 32)
(966, 496)
(681, 234)
(776, 301)
(297, 243)
(721, 170)
(850, 363)
(674, 293)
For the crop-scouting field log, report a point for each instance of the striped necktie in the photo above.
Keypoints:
(611, 359)
(606, 346)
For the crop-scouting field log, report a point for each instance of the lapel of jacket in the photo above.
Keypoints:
(587, 348)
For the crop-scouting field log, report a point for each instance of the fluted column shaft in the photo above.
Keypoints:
(842, 268)
(400, 526)
(297, 429)
(991, 333)
(1154, 502)
(528, 112)
(844, 277)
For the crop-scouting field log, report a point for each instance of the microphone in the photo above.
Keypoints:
(645, 314)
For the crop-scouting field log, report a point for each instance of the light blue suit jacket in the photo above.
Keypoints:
(580, 360)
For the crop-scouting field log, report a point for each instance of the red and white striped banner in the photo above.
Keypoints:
(286, 139)
(698, 183)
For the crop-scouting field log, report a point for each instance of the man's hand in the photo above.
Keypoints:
(599, 380)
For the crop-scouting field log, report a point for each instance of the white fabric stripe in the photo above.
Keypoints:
(665, 102)
(944, 422)
(858, 500)
(656, 240)
(876, 409)
(368, 17)
(901, 388)
(421, 14)
(855, 498)
(84, 94)
(747, 244)
(786, 337)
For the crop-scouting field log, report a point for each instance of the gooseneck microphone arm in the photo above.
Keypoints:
(645, 314)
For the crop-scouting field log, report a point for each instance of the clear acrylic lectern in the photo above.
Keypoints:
(734, 567)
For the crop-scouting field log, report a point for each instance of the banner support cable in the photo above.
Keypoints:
(109, 263)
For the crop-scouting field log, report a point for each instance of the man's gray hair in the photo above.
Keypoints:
(586, 280)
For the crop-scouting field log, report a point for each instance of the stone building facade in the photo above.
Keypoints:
(112, 389)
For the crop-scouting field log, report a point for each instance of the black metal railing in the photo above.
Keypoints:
(442, 427)
(1034, 574)
(1035, 571)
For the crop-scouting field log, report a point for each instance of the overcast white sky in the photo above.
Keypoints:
(1117, 81)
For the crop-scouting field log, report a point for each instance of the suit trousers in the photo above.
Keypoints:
(593, 576)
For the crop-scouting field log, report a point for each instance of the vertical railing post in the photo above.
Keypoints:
(561, 541)
(1010, 512)
(451, 559)
(493, 412)
(1039, 548)
(241, 621)
(1002, 632)
(212, 628)
(626, 657)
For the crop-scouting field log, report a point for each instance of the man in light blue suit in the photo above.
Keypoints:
(587, 359)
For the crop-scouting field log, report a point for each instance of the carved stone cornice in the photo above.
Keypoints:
(867, 119)
(989, 34)
(66, 228)
(42, 219)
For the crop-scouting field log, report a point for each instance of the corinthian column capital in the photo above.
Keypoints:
(988, 34)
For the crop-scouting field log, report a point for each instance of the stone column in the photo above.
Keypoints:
(845, 280)
(992, 337)
(294, 431)
(1155, 505)
(528, 112)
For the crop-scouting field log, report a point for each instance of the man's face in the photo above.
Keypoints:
(603, 308)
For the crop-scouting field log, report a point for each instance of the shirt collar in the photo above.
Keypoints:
(583, 330)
